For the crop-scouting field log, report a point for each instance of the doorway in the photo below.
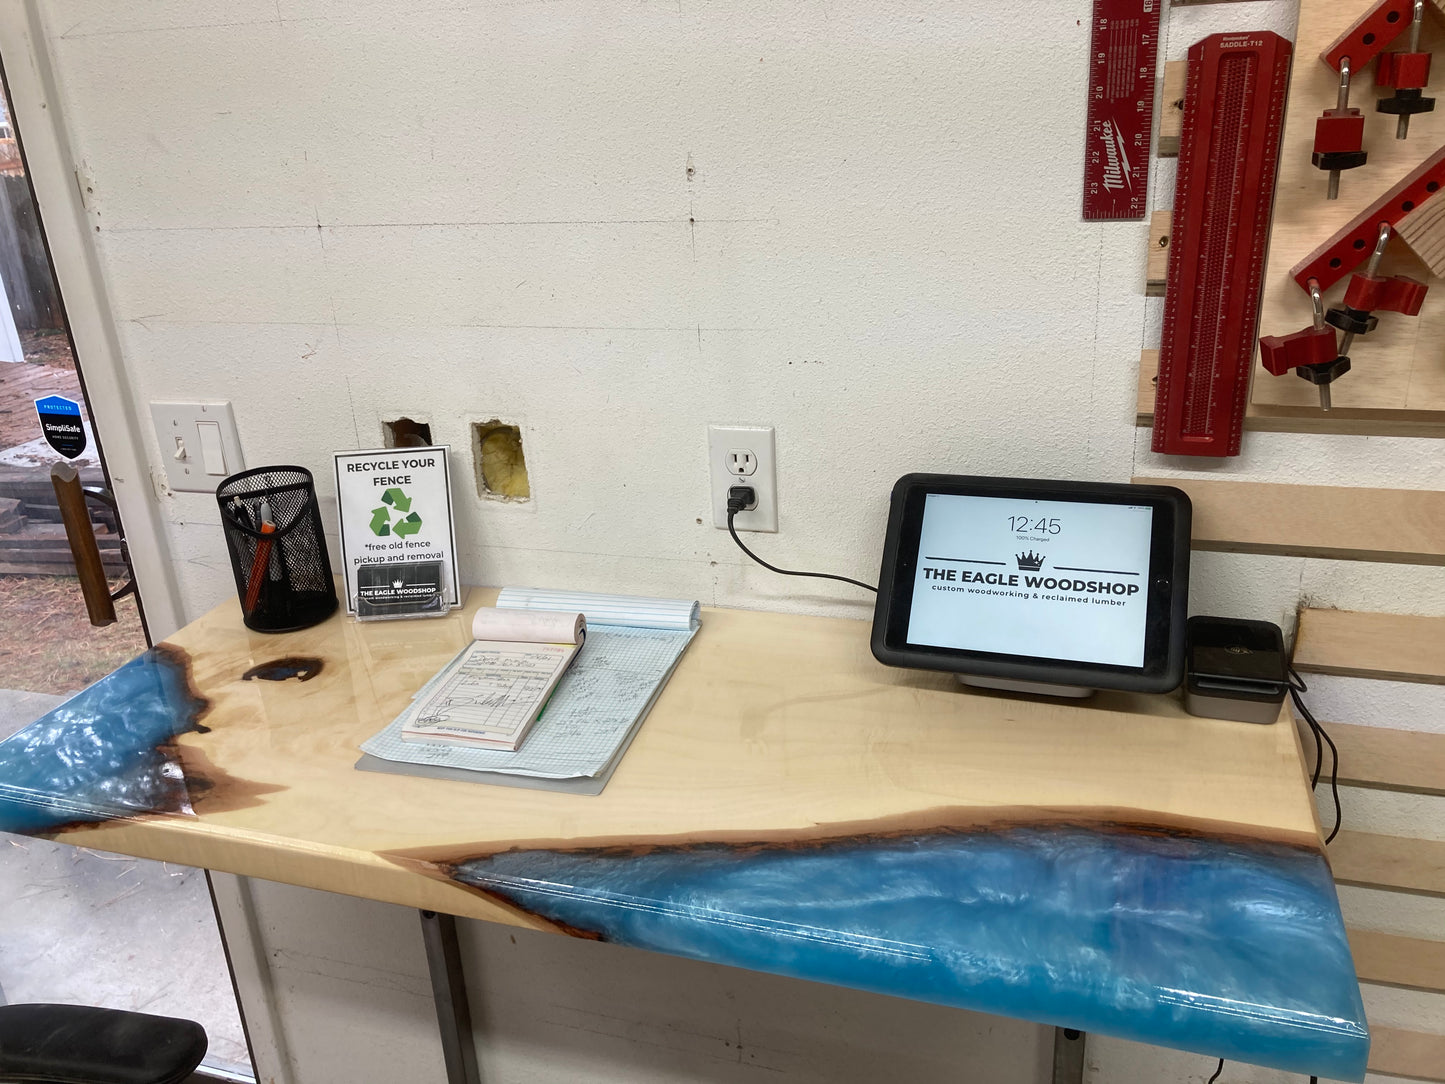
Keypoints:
(78, 926)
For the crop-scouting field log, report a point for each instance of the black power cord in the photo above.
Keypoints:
(739, 497)
(1220, 1068)
(1296, 688)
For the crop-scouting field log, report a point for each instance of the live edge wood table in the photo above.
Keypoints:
(790, 806)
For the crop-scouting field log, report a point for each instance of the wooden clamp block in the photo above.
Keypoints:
(1424, 231)
(1157, 268)
(1171, 109)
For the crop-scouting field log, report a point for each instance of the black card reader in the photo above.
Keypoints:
(1234, 669)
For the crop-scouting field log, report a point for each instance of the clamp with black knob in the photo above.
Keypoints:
(1369, 292)
(1339, 136)
(1310, 352)
(1408, 73)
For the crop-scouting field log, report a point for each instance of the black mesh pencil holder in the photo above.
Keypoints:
(278, 550)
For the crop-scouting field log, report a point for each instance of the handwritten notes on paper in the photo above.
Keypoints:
(490, 695)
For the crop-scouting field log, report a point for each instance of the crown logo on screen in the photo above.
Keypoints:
(398, 584)
(1029, 562)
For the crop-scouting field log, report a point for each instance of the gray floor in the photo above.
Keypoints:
(82, 926)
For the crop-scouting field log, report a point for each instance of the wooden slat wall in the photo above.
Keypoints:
(1156, 270)
(1171, 109)
(1389, 647)
(1390, 525)
(1395, 862)
(1398, 961)
(1388, 759)
(1413, 1055)
(1400, 648)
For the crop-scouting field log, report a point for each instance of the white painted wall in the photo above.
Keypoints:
(336, 211)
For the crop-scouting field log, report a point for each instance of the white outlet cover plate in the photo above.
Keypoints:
(757, 439)
(198, 472)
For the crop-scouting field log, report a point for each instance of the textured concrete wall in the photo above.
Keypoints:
(615, 222)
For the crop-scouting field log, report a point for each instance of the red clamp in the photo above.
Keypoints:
(1310, 352)
(1308, 346)
(1369, 291)
(1339, 136)
(1403, 71)
(1314, 345)
(1370, 34)
(1340, 131)
(1398, 293)
(1407, 72)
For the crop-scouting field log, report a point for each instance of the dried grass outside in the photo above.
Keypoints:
(46, 643)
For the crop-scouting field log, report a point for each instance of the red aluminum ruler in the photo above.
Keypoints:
(1228, 150)
(1123, 48)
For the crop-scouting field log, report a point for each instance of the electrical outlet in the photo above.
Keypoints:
(743, 455)
(742, 462)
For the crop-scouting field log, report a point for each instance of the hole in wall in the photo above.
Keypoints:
(405, 433)
(499, 461)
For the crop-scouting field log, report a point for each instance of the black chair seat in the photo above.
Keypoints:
(77, 1044)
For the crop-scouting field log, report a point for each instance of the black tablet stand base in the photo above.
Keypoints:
(1037, 688)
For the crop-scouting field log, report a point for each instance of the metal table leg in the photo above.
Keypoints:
(1068, 1056)
(449, 990)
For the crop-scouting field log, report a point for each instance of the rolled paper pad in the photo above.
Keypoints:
(529, 626)
(630, 610)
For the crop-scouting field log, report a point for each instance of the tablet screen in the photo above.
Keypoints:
(1049, 579)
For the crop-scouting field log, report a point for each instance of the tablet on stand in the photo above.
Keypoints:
(1033, 586)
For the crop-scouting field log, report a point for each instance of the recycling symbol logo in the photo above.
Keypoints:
(394, 516)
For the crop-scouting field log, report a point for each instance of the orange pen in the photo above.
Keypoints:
(262, 560)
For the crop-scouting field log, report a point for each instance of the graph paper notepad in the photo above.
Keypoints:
(598, 705)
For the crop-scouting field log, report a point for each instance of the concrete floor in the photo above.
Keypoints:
(86, 927)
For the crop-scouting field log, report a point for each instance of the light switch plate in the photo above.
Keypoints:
(199, 444)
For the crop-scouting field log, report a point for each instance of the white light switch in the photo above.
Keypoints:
(200, 443)
(213, 456)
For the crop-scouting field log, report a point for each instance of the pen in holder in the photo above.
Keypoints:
(278, 551)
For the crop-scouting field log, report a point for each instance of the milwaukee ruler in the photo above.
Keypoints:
(1124, 44)
(1233, 116)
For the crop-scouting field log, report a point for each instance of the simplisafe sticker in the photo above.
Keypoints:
(397, 541)
(60, 424)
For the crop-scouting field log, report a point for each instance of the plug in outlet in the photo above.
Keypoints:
(743, 454)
